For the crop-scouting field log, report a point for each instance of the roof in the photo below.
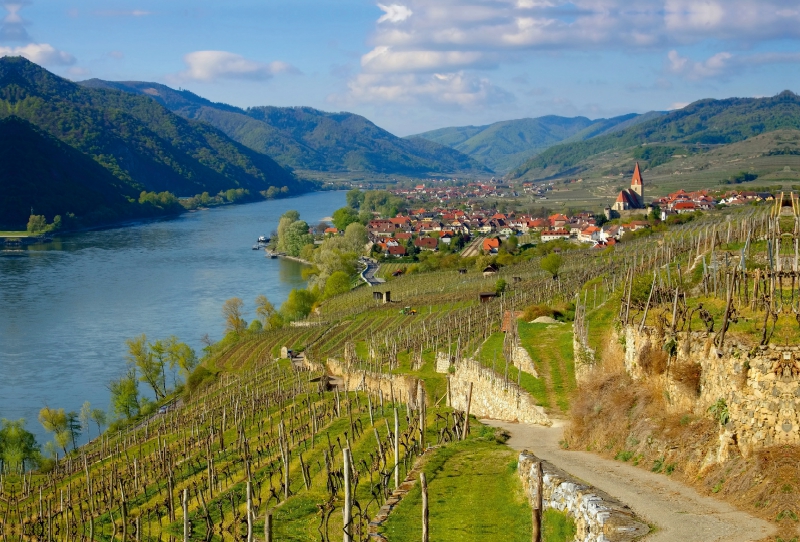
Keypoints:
(637, 176)
(426, 242)
(489, 244)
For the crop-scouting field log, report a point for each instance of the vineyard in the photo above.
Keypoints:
(266, 448)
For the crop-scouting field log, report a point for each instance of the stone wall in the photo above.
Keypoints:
(400, 387)
(759, 384)
(598, 516)
(491, 397)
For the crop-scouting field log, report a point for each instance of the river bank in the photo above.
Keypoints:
(67, 307)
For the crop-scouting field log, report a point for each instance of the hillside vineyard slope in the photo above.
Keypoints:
(305, 138)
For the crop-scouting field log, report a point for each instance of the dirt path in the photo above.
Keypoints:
(678, 511)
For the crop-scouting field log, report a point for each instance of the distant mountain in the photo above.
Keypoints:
(304, 138)
(143, 145)
(502, 146)
(39, 171)
(703, 124)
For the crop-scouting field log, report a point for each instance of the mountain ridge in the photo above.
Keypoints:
(304, 138)
(704, 123)
(504, 145)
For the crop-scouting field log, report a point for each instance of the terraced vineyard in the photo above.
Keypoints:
(266, 437)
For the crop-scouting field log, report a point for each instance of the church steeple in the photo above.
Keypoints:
(637, 184)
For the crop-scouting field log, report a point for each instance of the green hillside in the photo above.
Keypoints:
(303, 138)
(144, 145)
(40, 172)
(505, 145)
(702, 125)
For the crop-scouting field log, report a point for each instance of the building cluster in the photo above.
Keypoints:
(428, 229)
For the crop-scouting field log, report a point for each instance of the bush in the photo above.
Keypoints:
(199, 378)
(688, 375)
(535, 311)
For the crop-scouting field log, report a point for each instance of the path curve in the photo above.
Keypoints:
(679, 512)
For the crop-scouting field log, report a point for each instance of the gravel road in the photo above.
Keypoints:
(679, 512)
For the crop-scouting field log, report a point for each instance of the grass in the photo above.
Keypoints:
(550, 347)
(491, 355)
(474, 493)
(10, 233)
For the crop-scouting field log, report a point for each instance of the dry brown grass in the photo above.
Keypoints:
(688, 374)
(652, 359)
(616, 416)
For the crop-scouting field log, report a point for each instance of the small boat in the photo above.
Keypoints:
(256, 247)
(263, 239)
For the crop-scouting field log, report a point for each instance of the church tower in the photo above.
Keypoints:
(637, 185)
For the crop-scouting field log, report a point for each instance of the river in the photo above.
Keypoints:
(67, 307)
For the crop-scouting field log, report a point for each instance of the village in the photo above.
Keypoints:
(453, 219)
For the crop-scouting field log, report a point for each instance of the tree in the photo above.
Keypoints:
(298, 305)
(180, 356)
(355, 198)
(86, 417)
(99, 418)
(125, 394)
(37, 223)
(295, 237)
(337, 283)
(232, 310)
(55, 421)
(73, 427)
(264, 309)
(287, 219)
(356, 237)
(344, 217)
(148, 362)
(552, 264)
(18, 446)
(500, 286)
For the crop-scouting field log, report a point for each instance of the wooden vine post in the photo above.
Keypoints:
(423, 484)
(466, 416)
(348, 499)
(396, 449)
(268, 527)
(536, 529)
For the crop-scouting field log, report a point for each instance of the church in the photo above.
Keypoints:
(633, 198)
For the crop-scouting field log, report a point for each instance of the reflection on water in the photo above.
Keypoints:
(67, 307)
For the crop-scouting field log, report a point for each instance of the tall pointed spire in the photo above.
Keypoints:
(637, 176)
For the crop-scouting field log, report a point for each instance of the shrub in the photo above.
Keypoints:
(200, 377)
(535, 311)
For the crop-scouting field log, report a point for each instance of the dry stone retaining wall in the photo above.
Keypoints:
(598, 517)
(759, 384)
(491, 397)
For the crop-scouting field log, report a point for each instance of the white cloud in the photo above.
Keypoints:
(678, 105)
(40, 53)
(724, 63)
(394, 13)
(384, 60)
(122, 13)
(458, 89)
(213, 65)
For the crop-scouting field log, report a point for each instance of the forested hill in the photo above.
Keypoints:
(141, 143)
(505, 145)
(39, 171)
(703, 123)
(304, 138)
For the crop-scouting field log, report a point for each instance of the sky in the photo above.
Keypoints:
(417, 65)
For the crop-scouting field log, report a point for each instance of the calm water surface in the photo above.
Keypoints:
(67, 307)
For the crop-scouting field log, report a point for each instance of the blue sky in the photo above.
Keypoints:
(416, 65)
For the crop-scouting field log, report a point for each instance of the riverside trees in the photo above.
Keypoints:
(151, 360)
